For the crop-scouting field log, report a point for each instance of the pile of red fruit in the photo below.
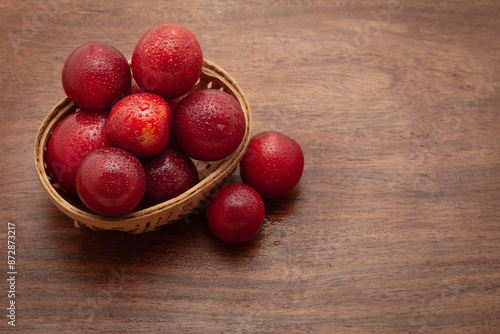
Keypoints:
(131, 142)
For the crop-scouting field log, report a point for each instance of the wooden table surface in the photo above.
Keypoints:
(394, 227)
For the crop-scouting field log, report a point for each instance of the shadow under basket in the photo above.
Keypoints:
(212, 174)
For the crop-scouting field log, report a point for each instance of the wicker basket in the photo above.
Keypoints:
(212, 174)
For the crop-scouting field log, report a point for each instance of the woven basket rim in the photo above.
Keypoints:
(227, 165)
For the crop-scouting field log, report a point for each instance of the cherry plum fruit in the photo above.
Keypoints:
(273, 164)
(73, 139)
(168, 175)
(96, 75)
(141, 123)
(111, 181)
(209, 124)
(167, 61)
(236, 213)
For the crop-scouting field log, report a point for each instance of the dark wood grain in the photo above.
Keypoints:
(394, 227)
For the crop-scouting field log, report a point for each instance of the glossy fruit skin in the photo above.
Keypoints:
(95, 76)
(209, 124)
(111, 181)
(168, 175)
(141, 123)
(167, 61)
(236, 213)
(73, 139)
(273, 164)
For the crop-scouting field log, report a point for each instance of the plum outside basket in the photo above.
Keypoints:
(212, 174)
